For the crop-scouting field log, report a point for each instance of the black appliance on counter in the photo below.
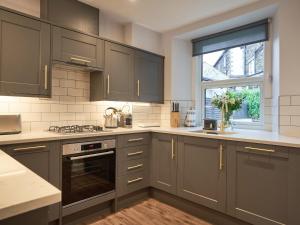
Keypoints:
(89, 170)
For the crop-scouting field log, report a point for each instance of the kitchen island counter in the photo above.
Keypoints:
(21, 190)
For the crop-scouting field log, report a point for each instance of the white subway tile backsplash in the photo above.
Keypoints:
(90, 108)
(285, 100)
(70, 105)
(40, 108)
(285, 120)
(289, 110)
(82, 84)
(27, 117)
(50, 117)
(59, 91)
(75, 108)
(83, 116)
(295, 100)
(15, 107)
(67, 116)
(295, 121)
(67, 83)
(59, 108)
(76, 92)
(3, 107)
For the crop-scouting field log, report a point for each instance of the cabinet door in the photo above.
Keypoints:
(77, 48)
(149, 77)
(43, 159)
(202, 172)
(119, 67)
(25, 56)
(258, 184)
(163, 162)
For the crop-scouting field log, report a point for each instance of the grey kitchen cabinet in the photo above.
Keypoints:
(132, 163)
(43, 158)
(77, 49)
(202, 171)
(148, 77)
(258, 183)
(164, 162)
(129, 75)
(25, 56)
(118, 74)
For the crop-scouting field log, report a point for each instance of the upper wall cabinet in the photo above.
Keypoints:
(77, 48)
(119, 62)
(129, 75)
(149, 77)
(25, 56)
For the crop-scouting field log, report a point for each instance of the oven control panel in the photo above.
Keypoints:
(75, 148)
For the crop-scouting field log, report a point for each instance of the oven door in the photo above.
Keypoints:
(86, 176)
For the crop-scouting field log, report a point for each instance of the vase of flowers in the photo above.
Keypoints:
(227, 103)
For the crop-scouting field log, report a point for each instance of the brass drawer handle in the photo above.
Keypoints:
(29, 148)
(46, 77)
(138, 88)
(135, 153)
(173, 150)
(80, 60)
(135, 139)
(135, 167)
(135, 180)
(221, 157)
(260, 149)
(108, 85)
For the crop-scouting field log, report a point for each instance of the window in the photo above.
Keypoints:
(238, 69)
(234, 60)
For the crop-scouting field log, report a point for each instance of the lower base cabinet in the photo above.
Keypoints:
(201, 176)
(164, 162)
(258, 182)
(43, 158)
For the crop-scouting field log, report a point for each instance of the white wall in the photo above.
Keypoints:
(286, 66)
(289, 31)
(31, 7)
(142, 37)
(110, 29)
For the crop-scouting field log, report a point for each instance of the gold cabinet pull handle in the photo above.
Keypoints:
(135, 139)
(260, 149)
(221, 157)
(29, 148)
(173, 150)
(135, 167)
(135, 153)
(80, 60)
(46, 77)
(138, 88)
(135, 180)
(108, 84)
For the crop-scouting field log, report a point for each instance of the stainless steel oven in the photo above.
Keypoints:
(89, 170)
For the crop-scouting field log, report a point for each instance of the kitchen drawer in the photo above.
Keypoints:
(77, 48)
(262, 149)
(131, 166)
(132, 182)
(129, 140)
(131, 153)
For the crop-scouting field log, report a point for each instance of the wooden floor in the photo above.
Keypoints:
(150, 212)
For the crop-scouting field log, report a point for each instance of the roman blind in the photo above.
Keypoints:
(247, 34)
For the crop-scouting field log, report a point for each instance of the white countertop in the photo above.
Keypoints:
(21, 190)
(253, 136)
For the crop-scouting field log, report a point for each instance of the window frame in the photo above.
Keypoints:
(246, 81)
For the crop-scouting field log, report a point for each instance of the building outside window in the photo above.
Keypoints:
(238, 69)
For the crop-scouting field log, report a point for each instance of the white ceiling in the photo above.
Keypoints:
(163, 15)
